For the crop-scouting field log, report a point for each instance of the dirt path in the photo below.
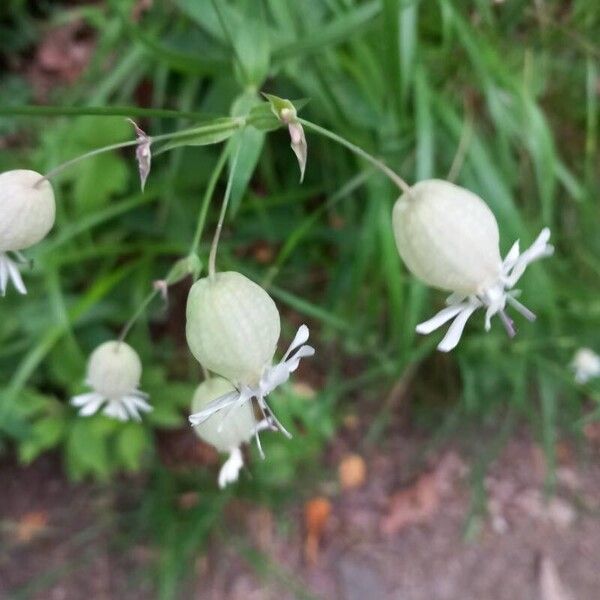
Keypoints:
(396, 537)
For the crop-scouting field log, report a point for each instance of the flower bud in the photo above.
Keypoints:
(27, 209)
(448, 237)
(114, 369)
(228, 431)
(113, 372)
(232, 327)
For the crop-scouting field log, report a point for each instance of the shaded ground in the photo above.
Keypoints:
(401, 534)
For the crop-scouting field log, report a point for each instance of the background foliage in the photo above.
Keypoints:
(504, 95)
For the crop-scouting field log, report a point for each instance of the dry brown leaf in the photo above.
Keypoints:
(61, 57)
(412, 505)
(352, 472)
(30, 526)
(550, 585)
(316, 514)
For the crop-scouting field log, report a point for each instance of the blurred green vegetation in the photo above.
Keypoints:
(505, 95)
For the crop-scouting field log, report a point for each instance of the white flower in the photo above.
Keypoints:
(232, 329)
(114, 371)
(448, 237)
(586, 364)
(226, 433)
(27, 212)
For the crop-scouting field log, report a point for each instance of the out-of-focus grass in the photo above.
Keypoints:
(512, 87)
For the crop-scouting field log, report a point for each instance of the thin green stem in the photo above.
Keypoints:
(208, 194)
(394, 177)
(53, 172)
(108, 111)
(215, 243)
(137, 314)
(209, 128)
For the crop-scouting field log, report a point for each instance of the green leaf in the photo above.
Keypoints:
(44, 435)
(250, 142)
(87, 447)
(131, 444)
(98, 179)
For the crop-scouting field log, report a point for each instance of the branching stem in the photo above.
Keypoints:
(394, 177)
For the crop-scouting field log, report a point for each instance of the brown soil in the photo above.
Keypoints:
(399, 535)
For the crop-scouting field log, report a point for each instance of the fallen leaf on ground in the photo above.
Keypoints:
(550, 585)
(352, 472)
(413, 505)
(30, 526)
(61, 57)
(316, 514)
(419, 502)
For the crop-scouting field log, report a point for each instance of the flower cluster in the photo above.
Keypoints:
(114, 371)
(447, 236)
(232, 329)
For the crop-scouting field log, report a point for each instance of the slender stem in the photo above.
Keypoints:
(53, 172)
(463, 147)
(394, 177)
(209, 128)
(213, 249)
(136, 315)
(210, 188)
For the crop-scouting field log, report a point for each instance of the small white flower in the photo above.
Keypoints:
(448, 237)
(226, 433)
(114, 371)
(586, 364)
(232, 329)
(27, 212)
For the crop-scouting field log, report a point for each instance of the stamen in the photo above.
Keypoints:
(508, 324)
(530, 316)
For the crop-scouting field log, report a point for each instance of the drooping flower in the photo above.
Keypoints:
(448, 237)
(287, 114)
(586, 364)
(232, 329)
(113, 372)
(143, 153)
(27, 212)
(226, 433)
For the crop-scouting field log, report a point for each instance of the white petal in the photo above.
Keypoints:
(82, 399)
(511, 257)
(15, 277)
(212, 407)
(300, 338)
(231, 467)
(134, 405)
(440, 318)
(455, 330)
(3, 274)
(539, 249)
(305, 351)
(116, 410)
(89, 403)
